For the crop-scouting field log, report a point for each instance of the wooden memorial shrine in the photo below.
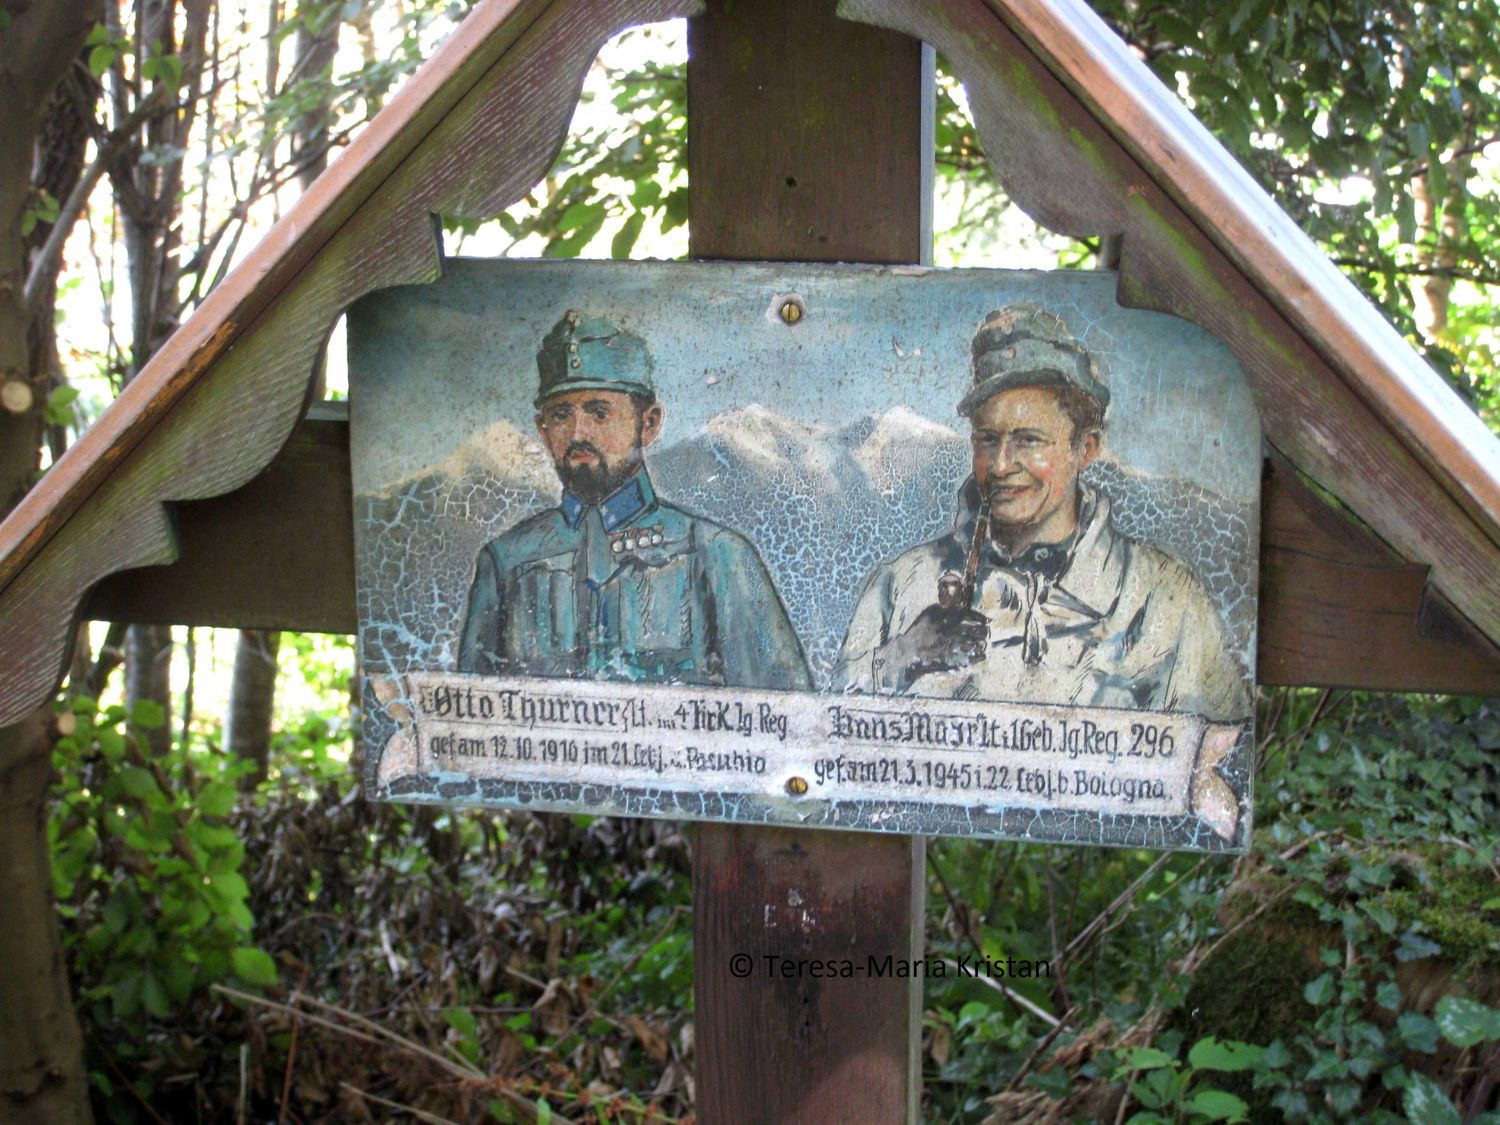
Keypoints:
(1373, 562)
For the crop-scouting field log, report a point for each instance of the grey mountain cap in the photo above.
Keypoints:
(1025, 345)
(585, 352)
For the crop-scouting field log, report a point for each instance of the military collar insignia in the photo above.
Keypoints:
(618, 508)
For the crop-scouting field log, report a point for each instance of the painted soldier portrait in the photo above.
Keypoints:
(1035, 595)
(615, 581)
(861, 547)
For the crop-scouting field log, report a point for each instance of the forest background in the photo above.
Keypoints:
(246, 939)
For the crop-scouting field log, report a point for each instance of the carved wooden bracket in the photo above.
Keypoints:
(468, 136)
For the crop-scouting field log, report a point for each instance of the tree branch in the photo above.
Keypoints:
(45, 263)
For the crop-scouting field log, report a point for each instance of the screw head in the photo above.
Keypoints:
(791, 312)
(796, 786)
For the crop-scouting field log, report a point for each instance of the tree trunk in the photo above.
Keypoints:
(252, 696)
(42, 1076)
(148, 677)
(1440, 233)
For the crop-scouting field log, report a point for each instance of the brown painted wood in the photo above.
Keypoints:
(212, 417)
(781, 1044)
(809, 139)
(1340, 609)
(276, 553)
(790, 185)
(1061, 162)
(1337, 607)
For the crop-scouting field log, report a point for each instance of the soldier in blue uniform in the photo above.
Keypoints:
(615, 582)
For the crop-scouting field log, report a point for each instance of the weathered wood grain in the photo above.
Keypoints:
(277, 553)
(1063, 166)
(780, 1044)
(779, 184)
(808, 139)
(1337, 607)
(206, 427)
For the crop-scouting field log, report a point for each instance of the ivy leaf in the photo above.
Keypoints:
(1414, 945)
(1210, 1054)
(216, 799)
(1425, 1101)
(1464, 1022)
(1319, 991)
(1388, 995)
(148, 714)
(1218, 1105)
(1417, 1032)
(253, 966)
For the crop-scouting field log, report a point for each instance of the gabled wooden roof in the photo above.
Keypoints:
(1341, 393)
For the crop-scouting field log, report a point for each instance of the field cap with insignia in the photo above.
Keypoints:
(584, 352)
(1025, 345)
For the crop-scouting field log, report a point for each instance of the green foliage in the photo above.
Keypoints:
(1365, 121)
(148, 875)
(1173, 1092)
(59, 410)
(43, 208)
(1372, 883)
(621, 170)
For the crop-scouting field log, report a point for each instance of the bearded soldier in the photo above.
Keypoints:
(1035, 596)
(616, 582)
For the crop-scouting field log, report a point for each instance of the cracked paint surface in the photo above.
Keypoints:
(832, 445)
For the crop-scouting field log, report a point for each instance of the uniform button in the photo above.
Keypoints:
(630, 544)
(617, 546)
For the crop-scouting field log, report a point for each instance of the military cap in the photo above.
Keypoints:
(583, 352)
(1025, 345)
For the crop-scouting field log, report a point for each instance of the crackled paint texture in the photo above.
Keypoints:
(832, 444)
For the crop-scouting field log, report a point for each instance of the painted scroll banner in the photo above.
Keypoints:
(837, 761)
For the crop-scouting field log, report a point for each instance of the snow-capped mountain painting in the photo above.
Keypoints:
(823, 505)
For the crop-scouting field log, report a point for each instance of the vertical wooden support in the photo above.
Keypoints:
(809, 139)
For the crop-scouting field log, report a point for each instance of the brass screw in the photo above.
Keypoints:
(791, 312)
(796, 786)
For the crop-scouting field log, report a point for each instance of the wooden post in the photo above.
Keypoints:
(809, 139)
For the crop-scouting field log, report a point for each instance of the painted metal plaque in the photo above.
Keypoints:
(935, 552)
